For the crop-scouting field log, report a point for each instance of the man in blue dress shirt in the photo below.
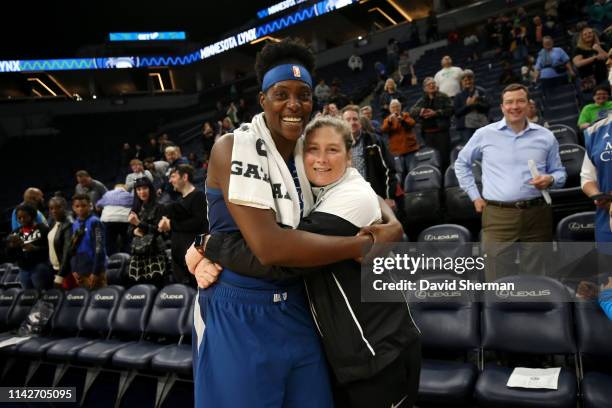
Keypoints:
(513, 209)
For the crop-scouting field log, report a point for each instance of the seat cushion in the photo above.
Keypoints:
(176, 359)
(137, 355)
(37, 346)
(491, 391)
(66, 349)
(447, 382)
(597, 390)
(100, 352)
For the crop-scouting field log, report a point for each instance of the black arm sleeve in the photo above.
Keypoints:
(231, 250)
(189, 215)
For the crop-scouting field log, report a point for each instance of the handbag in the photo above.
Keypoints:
(142, 245)
(476, 120)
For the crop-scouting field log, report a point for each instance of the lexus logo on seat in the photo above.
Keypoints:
(578, 226)
(168, 296)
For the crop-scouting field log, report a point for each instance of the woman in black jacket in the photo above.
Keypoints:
(28, 246)
(373, 348)
(148, 261)
(60, 234)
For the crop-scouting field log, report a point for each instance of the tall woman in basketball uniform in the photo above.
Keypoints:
(255, 343)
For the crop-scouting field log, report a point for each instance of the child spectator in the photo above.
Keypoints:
(88, 247)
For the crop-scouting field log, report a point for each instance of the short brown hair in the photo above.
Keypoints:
(512, 88)
(352, 108)
(338, 125)
(135, 161)
(82, 173)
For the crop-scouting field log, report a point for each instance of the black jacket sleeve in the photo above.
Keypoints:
(389, 162)
(231, 250)
(66, 238)
(188, 215)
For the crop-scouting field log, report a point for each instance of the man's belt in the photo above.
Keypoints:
(521, 205)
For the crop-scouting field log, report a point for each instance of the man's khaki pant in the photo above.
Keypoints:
(504, 232)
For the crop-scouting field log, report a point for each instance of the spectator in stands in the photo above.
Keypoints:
(406, 70)
(194, 160)
(336, 96)
(390, 92)
(392, 54)
(533, 114)
(471, 42)
(434, 111)
(511, 204)
(508, 76)
(448, 79)
(88, 262)
(148, 261)
(597, 15)
(157, 173)
(366, 111)
(150, 149)
(431, 34)
(28, 247)
(232, 113)
(186, 218)
(331, 110)
(355, 63)
(34, 197)
(529, 73)
(553, 65)
(226, 126)
(590, 58)
(551, 9)
(401, 138)
(163, 142)
(87, 185)
(115, 206)
(174, 159)
(471, 107)
(138, 171)
(605, 298)
(322, 92)
(208, 139)
(593, 112)
(537, 31)
(371, 158)
(518, 46)
(380, 69)
(59, 237)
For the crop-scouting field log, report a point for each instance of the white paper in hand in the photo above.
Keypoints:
(537, 378)
(535, 173)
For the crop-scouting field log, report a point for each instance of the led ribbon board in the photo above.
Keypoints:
(278, 7)
(316, 10)
(154, 36)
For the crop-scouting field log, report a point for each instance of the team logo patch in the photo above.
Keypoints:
(296, 71)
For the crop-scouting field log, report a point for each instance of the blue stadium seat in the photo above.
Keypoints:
(11, 278)
(459, 206)
(167, 321)
(116, 269)
(127, 327)
(426, 156)
(564, 134)
(8, 298)
(534, 319)
(448, 323)
(594, 331)
(422, 194)
(25, 300)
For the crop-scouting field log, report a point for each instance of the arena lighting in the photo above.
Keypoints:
(400, 10)
(267, 37)
(383, 14)
(278, 7)
(152, 36)
(159, 79)
(43, 85)
(247, 36)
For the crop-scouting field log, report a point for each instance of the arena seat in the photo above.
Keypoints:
(116, 269)
(127, 327)
(422, 194)
(448, 323)
(96, 323)
(537, 309)
(174, 360)
(577, 227)
(454, 153)
(594, 331)
(11, 278)
(8, 298)
(167, 320)
(24, 302)
(425, 156)
(458, 205)
(4, 268)
(564, 134)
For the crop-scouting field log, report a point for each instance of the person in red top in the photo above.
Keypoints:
(399, 127)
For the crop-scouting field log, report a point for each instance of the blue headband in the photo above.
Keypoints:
(284, 73)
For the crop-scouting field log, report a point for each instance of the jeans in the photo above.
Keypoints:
(40, 277)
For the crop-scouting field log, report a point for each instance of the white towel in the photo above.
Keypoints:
(260, 177)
